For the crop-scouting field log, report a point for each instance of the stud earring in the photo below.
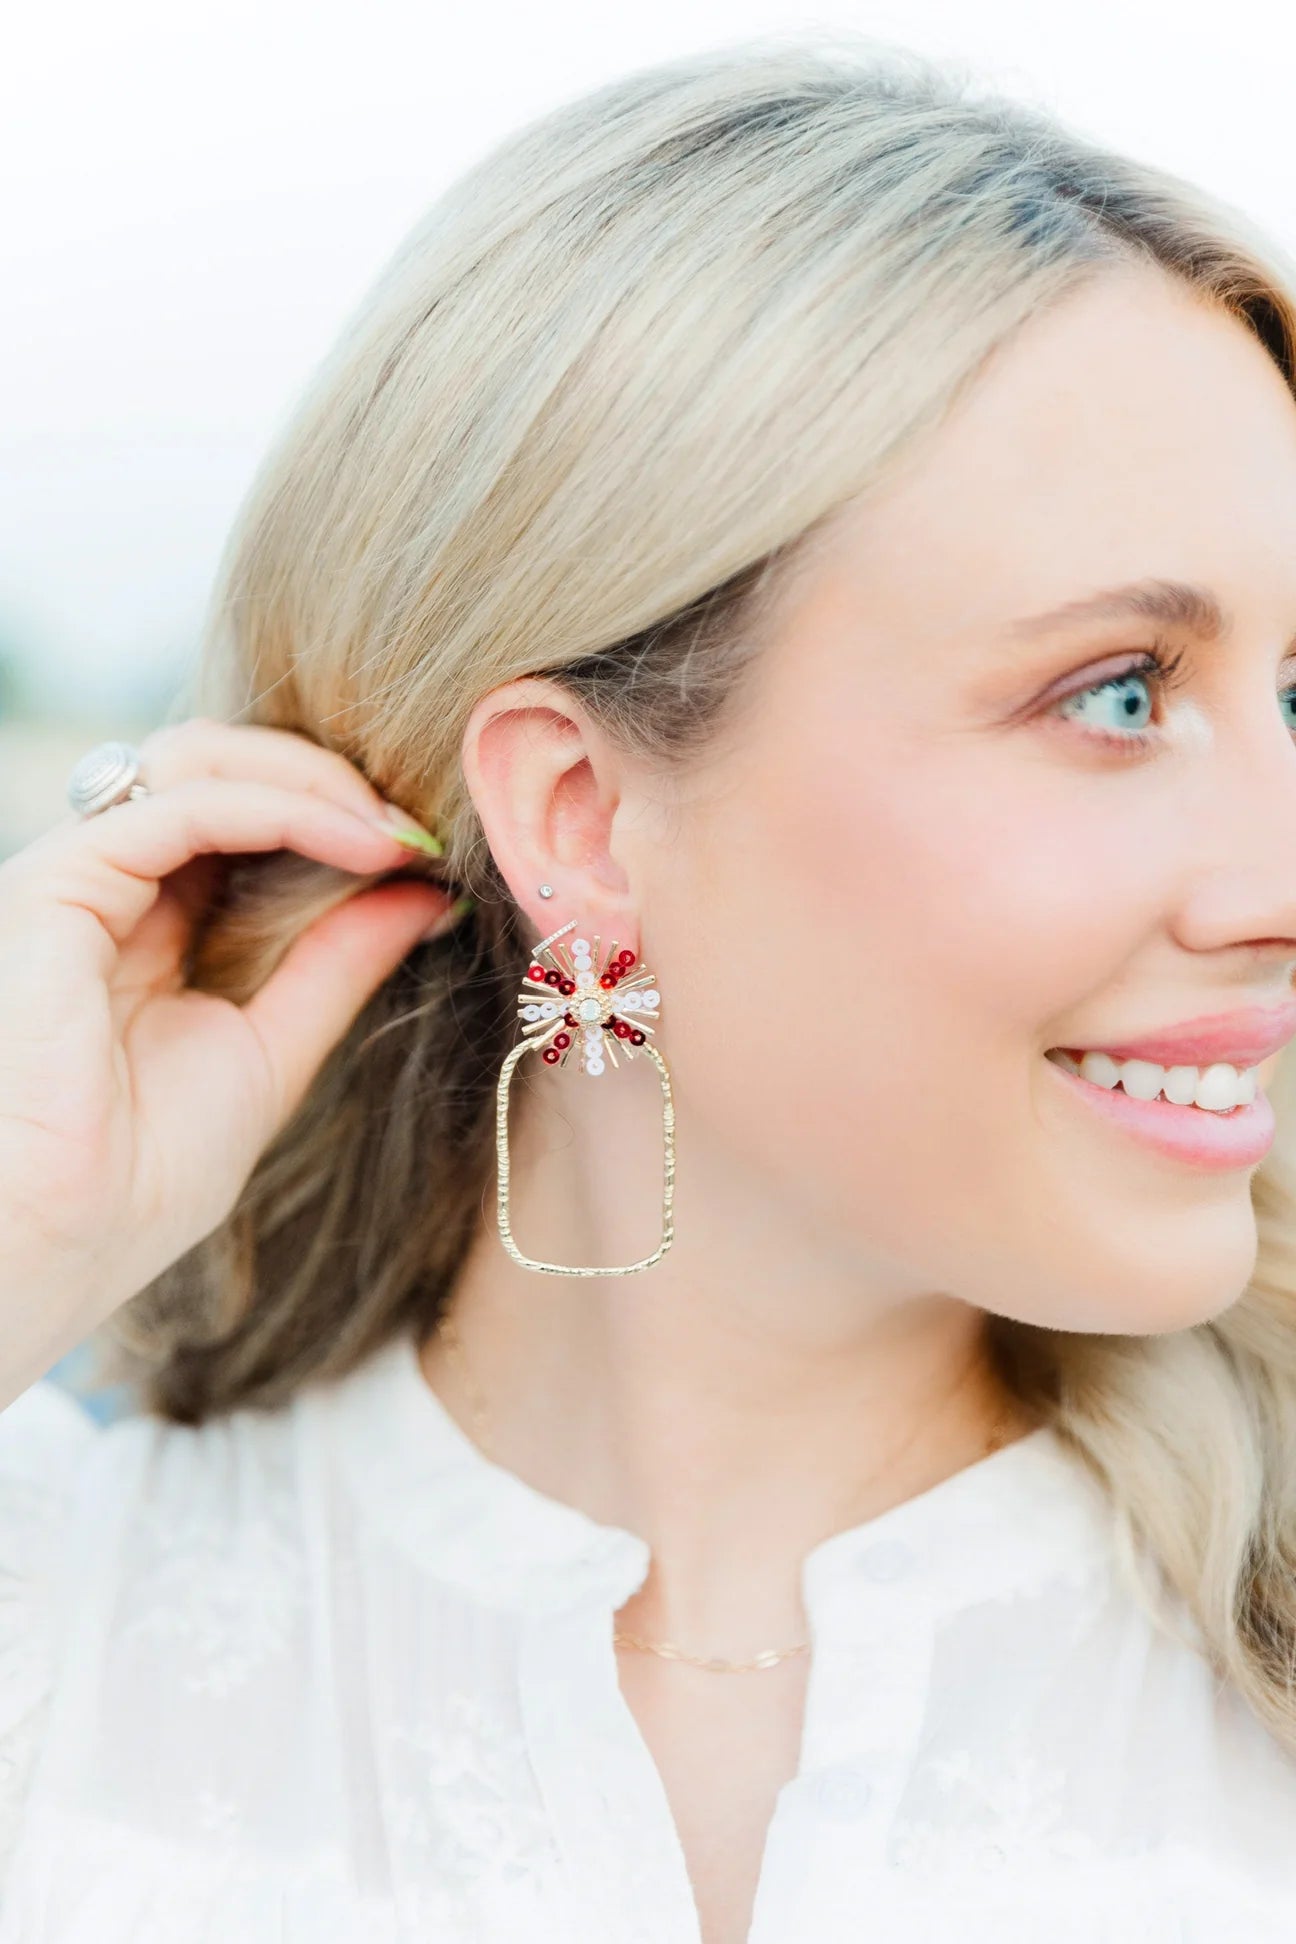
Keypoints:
(546, 890)
(600, 1007)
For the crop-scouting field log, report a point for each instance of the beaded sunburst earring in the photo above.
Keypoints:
(575, 1002)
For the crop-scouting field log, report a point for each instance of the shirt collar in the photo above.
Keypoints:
(1028, 1512)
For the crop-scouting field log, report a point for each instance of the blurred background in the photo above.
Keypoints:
(199, 196)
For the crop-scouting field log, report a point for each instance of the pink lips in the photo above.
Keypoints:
(1242, 1039)
(1238, 1139)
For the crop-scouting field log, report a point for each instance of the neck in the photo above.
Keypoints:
(760, 1388)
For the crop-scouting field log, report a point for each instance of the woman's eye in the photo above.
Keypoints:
(1117, 709)
(1119, 703)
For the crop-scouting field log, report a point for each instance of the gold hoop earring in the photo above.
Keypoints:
(601, 1028)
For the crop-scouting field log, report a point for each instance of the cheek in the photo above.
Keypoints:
(952, 907)
(872, 967)
(869, 963)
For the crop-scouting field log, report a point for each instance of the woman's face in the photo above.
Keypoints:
(916, 871)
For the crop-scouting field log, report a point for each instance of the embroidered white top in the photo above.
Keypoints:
(327, 1674)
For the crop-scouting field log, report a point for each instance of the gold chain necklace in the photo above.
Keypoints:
(449, 1335)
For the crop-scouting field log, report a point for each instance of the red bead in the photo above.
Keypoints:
(621, 1030)
(625, 958)
(551, 1055)
(569, 1019)
(562, 1039)
(607, 981)
(567, 986)
(535, 971)
(637, 1038)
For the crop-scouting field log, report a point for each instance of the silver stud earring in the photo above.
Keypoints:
(546, 891)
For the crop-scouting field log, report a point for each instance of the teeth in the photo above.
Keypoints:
(1217, 1088)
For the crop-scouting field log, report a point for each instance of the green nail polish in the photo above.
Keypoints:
(404, 829)
(450, 917)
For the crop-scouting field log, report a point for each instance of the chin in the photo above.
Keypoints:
(1140, 1299)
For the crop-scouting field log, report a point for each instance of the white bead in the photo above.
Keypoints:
(632, 1002)
(651, 998)
(593, 1066)
(580, 945)
(548, 1010)
(530, 1012)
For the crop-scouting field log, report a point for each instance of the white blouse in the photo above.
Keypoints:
(327, 1673)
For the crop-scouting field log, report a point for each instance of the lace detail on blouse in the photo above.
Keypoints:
(225, 1598)
(462, 1800)
(994, 1814)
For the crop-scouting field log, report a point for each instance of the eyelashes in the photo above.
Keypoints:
(1162, 668)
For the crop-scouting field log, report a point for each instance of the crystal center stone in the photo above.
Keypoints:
(589, 1009)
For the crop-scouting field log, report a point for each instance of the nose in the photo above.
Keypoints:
(1241, 829)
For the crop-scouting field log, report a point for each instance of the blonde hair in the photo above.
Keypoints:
(586, 423)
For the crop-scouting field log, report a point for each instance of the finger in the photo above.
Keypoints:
(254, 752)
(325, 978)
(110, 865)
(154, 958)
(193, 886)
(154, 954)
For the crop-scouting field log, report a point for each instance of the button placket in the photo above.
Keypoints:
(875, 1625)
(866, 1697)
(608, 1805)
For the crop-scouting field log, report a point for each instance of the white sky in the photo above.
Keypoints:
(199, 194)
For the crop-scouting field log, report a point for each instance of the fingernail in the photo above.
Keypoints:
(449, 917)
(405, 829)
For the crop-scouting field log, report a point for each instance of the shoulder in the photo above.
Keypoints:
(46, 1441)
(205, 1560)
(82, 1501)
(43, 1434)
(141, 1518)
(141, 1525)
(149, 1571)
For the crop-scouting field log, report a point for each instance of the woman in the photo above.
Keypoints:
(813, 1456)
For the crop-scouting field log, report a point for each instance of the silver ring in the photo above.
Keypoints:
(105, 775)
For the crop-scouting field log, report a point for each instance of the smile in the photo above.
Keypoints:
(1217, 1088)
(1220, 1136)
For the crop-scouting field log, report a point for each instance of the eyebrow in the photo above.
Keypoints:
(1178, 604)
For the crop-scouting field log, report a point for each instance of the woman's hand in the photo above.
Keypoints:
(132, 1107)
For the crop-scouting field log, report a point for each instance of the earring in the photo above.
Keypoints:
(602, 1030)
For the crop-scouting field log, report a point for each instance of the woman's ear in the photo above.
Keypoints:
(546, 785)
